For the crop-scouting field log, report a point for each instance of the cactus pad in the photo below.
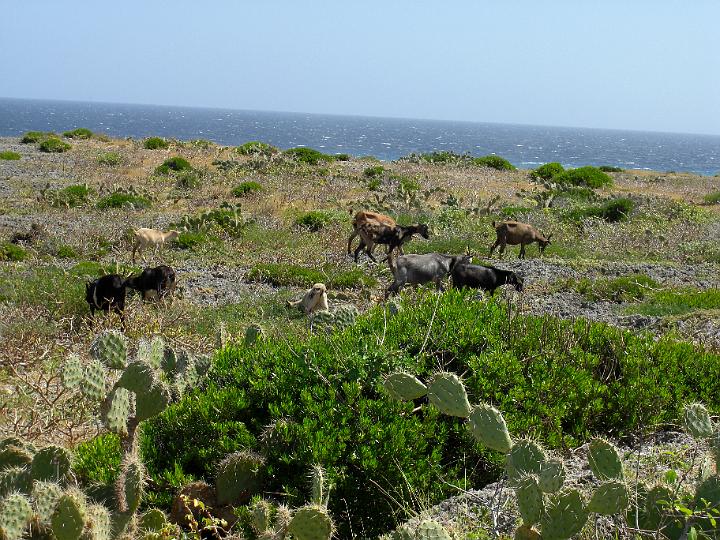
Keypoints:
(565, 516)
(261, 515)
(130, 485)
(697, 420)
(169, 362)
(529, 500)
(431, 530)
(488, 427)
(650, 511)
(404, 386)
(110, 347)
(68, 520)
(319, 487)
(15, 514)
(51, 464)
(709, 490)
(345, 316)
(403, 532)
(138, 377)
(151, 351)
(45, 497)
(253, 333)
(552, 476)
(14, 456)
(153, 401)
(153, 520)
(526, 457)
(72, 373)
(311, 523)
(447, 392)
(604, 460)
(238, 477)
(610, 498)
(15, 479)
(526, 532)
(117, 409)
(99, 525)
(94, 380)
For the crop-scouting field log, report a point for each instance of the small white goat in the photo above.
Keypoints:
(151, 237)
(314, 300)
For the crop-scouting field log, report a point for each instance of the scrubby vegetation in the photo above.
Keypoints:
(155, 143)
(712, 198)
(302, 276)
(609, 168)
(11, 252)
(9, 156)
(309, 156)
(246, 188)
(69, 196)
(173, 164)
(494, 162)
(111, 159)
(547, 171)
(591, 177)
(124, 199)
(612, 211)
(54, 145)
(256, 148)
(32, 137)
(79, 133)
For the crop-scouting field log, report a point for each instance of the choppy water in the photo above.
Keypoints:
(385, 138)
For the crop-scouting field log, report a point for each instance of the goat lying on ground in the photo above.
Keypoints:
(393, 237)
(487, 278)
(153, 283)
(314, 300)
(419, 269)
(106, 293)
(364, 218)
(151, 237)
(514, 233)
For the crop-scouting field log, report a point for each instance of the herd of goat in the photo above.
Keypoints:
(108, 292)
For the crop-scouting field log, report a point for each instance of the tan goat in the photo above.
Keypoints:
(151, 237)
(314, 300)
(365, 220)
(514, 233)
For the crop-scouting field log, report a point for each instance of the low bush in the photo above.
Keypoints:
(227, 218)
(155, 143)
(515, 212)
(110, 159)
(97, 461)
(591, 177)
(12, 252)
(712, 198)
(320, 400)
(123, 199)
(547, 171)
(621, 289)
(442, 157)
(201, 143)
(610, 168)
(494, 162)
(246, 188)
(9, 156)
(256, 148)
(79, 133)
(173, 164)
(283, 275)
(342, 157)
(314, 220)
(63, 251)
(309, 156)
(611, 211)
(32, 137)
(69, 196)
(374, 172)
(678, 302)
(190, 239)
(54, 146)
(188, 179)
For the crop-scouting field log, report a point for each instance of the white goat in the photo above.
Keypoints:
(314, 300)
(151, 237)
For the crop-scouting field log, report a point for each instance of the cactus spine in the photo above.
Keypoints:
(238, 477)
(15, 514)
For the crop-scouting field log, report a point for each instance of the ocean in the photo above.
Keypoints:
(385, 138)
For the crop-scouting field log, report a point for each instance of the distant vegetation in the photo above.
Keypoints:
(494, 162)
(69, 196)
(547, 171)
(591, 177)
(32, 137)
(110, 159)
(11, 252)
(54, 145)
(612, 211)
(173, 164)
(124, 199)
(609, 168)
(79, 133)
(375, 171)
(155, 143)
(310, 156)
(246, 188)
(256, 148)
(314, 220)
(8, 155)
(712, 198)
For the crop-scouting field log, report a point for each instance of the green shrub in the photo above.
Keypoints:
(342, 157)
(54, 145)
(256, 148)
(514, 212)
(190, 239)
(123, 199)
(155, 143)
(69, 196)
(173, 164)
(32, 137)
(320, 400)
(11, 252)
(63, 251)
(678, 302)
(621, 289)
(79, 133)
(591, 177)
(494, 162)
(611, 211)
(283, 275)
(110, 159)
(440, 157)
(374, 184)
(10, 156)
(712, 198)
(201, 143)
(609, 168)
(374, 172)
(98, 460)
(246, 188)
(314, 220)
(188, 179)
(547, 171)
(310, 156)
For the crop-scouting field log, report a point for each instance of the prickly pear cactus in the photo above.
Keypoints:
(137, 377)
(99, 524)
(153, 520)
(322, 320)
(110, 347)
(151, 351)
(94, 380)
(72, 373)
(552, 476)
(488, 427)
(610, 498)
(130, 485)
(697, 421)
(404, 386)
(153, 401)
(238, 477)
(530, 500)
(14, 456)
(709, 491)
(311, 523)
(68, 520)
(15, 514)
(51, 464)
(565, 516)
(116, 410)
(431, 530)
(319, 486)
(45, 496)
(525, 458)
(345, 316)
(253, 334)
(261, 515)
(447, 392)
(526, 532)
(15, 479)
(604, 460)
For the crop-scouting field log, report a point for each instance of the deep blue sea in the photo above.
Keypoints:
(384, 138)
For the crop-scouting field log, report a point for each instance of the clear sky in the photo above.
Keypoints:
(630, 64)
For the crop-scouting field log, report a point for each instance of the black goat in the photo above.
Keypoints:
(393, 237)
(158, 282)
(487, 278)
(106, 293)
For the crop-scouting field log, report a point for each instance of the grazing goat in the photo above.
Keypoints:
(314, 300)
(364, 218)
(107, 293)
(151, 237)
(153, 282)
(393, 237)
(419, 269)
(487, 278)
(514, 233)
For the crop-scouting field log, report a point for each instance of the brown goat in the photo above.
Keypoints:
(363, 219)
(514, 233)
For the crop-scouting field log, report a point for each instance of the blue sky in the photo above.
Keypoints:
(647, 65)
